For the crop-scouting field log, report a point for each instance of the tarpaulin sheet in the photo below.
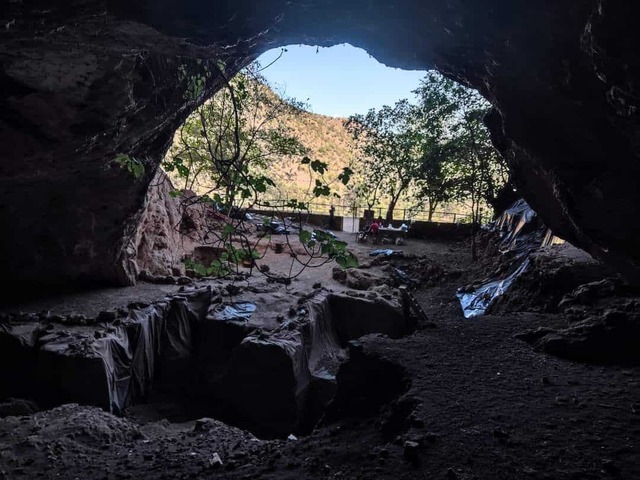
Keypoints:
(521, 233)
(518, 228)
(266, 382)
(476, 302)
(239, 311)
(387, 252)
(321, 340)
(107, 366)
(17, 343)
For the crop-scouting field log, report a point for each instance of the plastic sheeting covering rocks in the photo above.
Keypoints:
(521, 234)
(476, 302)
(108, 367)
(280, 383)
(272, 382)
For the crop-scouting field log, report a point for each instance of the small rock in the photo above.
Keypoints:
(317, 285)
(215, 461)
(192, 273)
(416, 422)
(77, 319)
(431, 437)
(411, 450)
(144, 275)
(204, 424)
(184, 280)
(451, 474)
(292, 437)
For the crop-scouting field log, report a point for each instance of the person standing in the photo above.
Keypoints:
(332, 212)
(373, 229)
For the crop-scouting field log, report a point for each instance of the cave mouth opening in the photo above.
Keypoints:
(332, 89)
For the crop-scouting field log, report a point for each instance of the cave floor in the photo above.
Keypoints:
(484, 405)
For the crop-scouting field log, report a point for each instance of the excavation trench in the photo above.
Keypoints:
(197, 349)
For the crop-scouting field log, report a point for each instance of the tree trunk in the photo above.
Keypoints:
(432, 210)
(390, 208)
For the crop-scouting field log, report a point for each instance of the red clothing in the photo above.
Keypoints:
(374, 227)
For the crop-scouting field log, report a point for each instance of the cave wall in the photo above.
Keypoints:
(168, 230)
(85, 80)
(80, 87)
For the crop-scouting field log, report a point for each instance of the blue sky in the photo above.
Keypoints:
(337, 81)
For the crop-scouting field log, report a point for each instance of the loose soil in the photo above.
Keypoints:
(479, 404)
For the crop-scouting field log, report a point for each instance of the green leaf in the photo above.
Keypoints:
(345, 175)
(228, 230)
(319, 167)
(305, 236)
(132, 165)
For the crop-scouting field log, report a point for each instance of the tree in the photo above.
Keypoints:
(225, 151)
(437, 183)
(225, 148)
(389, 146)
(474, 169)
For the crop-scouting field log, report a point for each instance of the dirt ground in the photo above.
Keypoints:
(476, 403)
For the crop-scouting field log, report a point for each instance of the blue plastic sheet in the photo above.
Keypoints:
(240, 311)
(476, 302)
(387, 252)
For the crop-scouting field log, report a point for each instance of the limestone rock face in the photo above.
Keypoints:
(86, 80)
(169, 229)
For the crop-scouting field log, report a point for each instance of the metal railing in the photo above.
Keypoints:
(357, 211)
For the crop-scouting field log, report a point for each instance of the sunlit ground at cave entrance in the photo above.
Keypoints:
(338, 81)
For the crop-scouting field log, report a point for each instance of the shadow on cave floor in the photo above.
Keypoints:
(88, 301)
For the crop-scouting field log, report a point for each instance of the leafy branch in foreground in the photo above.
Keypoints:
(225, 153)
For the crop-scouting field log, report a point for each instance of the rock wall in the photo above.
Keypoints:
(78, 89)
(83, 81)
(168, 230)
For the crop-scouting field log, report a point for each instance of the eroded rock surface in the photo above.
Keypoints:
(169, 229)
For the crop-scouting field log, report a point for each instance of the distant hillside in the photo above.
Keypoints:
(327, 141)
